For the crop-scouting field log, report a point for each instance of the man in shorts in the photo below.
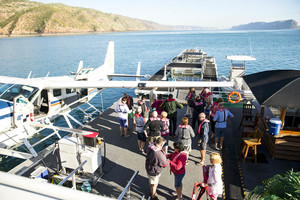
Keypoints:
(122, 110)
(220, 118)
(155, 161)
(203, 135)
(155, 126)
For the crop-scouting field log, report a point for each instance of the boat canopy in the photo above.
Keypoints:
(241, 57)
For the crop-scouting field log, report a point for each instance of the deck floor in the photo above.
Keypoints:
(123, 159)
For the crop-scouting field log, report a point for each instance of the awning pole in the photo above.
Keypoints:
(262, 111)
(282, 116)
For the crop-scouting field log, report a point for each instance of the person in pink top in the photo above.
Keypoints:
(177, 165)
(214, 108)
(165, 132)
(156, 104)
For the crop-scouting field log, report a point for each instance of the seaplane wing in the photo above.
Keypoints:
(8, 79)
(134, 84)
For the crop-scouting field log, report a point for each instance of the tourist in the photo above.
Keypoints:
(208, 98)
(220, 118)
(145, 110)
(184, 134)
(140, 123)
(165, 132)
(202, 94)
(170, 105)
(203, 135)
(214, 183)
(155, 161)
(152, 95)
(198, 107)
(190, 97)
(155, 126)
(130, 104)
(177, 164)
(213, 109)
(156, 104)
(122, 110)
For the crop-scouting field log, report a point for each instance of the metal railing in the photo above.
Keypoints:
(127, 188)
(73, 176)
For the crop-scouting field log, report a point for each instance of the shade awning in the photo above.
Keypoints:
(276, 88)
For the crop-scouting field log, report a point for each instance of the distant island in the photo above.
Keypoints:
(286, 24)
(24, 17)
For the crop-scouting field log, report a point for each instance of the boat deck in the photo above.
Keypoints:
(188, 66)
(123, 159)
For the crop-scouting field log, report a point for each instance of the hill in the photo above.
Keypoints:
(286, 24)
(24, 17)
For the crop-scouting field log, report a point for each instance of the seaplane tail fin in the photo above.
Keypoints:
(107, 68)
(138, 71)
(110, 58)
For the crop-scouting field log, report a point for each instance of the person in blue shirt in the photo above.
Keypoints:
(220, 118)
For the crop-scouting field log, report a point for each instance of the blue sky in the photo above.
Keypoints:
(206, 13)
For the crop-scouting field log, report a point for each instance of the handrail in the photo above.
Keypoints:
(128, 185)
(71, 174)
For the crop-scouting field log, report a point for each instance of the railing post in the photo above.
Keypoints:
(127, 188)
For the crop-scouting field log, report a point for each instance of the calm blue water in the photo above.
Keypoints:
(61, 54)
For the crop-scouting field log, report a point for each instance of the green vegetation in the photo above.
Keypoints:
(19, 17)
(45, 13)
(278, 187)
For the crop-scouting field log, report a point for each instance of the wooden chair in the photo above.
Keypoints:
(247, 113)
(250, 127)
(251, 143)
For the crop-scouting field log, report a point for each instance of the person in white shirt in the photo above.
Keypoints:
(122, 110)
(214, 182)
(152, 95)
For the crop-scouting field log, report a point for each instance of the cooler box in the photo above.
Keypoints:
(274, 126)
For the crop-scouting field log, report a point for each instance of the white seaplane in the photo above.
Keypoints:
(27, 105)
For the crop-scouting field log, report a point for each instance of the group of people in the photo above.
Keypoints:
(156, 124)
(149, 122)
(210, 116)
(157, 159)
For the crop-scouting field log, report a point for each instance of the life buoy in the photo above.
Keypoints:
(237, 100)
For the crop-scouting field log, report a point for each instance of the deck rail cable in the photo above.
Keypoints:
(73, 176)
(127, 188)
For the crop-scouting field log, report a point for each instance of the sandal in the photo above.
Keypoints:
(200, 163)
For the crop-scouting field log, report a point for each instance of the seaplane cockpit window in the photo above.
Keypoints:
(3, 88)
(14, 90)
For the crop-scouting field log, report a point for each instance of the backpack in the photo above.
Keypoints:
(185, 135)
(140, 121)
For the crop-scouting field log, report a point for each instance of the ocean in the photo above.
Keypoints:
(60, 55)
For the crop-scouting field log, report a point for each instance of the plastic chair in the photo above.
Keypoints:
(251, 143)
(247, 113)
